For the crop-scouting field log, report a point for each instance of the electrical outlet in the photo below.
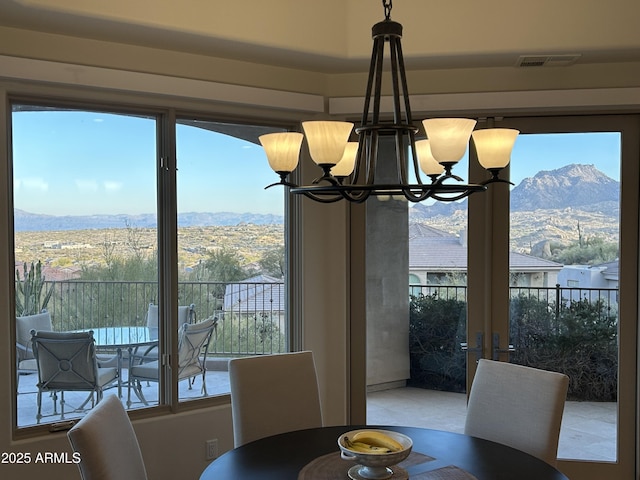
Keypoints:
(211, 449)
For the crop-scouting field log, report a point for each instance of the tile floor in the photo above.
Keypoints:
(588, 428)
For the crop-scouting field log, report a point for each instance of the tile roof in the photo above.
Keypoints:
(433, 249)
(261, 293)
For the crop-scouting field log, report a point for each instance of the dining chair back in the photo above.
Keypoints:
(107, 444)
(67, 361)
(273, 394)
(517, 406)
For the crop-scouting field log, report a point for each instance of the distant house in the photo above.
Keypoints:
(437, 257)
(255, 295)
(604, 275)
(55, 274)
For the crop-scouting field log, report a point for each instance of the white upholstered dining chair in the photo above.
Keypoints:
(107, 444)
(517, 406)
(273, 394)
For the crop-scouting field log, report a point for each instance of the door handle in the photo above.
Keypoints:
(495, 347)
(464, 346)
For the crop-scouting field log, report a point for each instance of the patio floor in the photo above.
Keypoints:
(588, 428)
(217, 383)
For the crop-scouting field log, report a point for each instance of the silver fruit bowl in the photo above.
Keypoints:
(375, 466)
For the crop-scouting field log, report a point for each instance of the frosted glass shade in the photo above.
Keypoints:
(327, 140)
(449, 137)
(282, 149)
(346, 165)
(428, 164)
(494, 146)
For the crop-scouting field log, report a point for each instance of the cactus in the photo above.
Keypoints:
(30, 290)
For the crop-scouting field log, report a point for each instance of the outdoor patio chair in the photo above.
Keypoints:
(67, 362)
(517, 406)
(193, 344)
(273, 394)
(107, 444)
(186, 314)
(25, 360)
(41, 322)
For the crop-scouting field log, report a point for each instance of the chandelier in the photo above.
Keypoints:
(348, 169)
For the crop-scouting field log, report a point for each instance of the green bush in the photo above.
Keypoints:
(254, 334)
(575, 337)
(436, 328)
(581, 343)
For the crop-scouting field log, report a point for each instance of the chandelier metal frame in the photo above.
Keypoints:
(361, 184)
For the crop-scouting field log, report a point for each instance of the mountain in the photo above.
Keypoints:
(201, 219)
(582, 186)
(30, 222)
(552, 206)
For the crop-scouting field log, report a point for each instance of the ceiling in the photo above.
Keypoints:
(333, 36)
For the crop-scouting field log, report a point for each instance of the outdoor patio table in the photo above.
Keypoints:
(314, 453)
(122, 338)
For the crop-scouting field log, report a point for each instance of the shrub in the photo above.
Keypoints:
(581, 343)
(436, 328)
(576, 337)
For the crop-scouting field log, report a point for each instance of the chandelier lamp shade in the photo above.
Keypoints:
(423, 167)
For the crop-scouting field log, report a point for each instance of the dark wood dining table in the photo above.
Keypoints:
(285, 456)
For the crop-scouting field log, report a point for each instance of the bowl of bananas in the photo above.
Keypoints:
(376, 453)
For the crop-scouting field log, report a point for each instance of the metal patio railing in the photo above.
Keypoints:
(251, 314)
(556, 296)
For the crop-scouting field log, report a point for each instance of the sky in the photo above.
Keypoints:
(533, 153)
(84, 163)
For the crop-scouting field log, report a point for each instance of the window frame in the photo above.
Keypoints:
(166, 114)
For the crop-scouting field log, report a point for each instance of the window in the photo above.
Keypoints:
(414, 284)
(97, 196)
(231, 256)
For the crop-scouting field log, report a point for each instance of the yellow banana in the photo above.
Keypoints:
(362, 447)
(378, 439)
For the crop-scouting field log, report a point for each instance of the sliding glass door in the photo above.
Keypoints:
(545, 275)
(558, 286)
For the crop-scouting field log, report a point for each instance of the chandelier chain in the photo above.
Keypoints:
(387, 5)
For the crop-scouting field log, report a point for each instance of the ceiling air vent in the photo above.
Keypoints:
(547, 60)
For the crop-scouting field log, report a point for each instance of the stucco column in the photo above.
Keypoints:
(387, 277)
